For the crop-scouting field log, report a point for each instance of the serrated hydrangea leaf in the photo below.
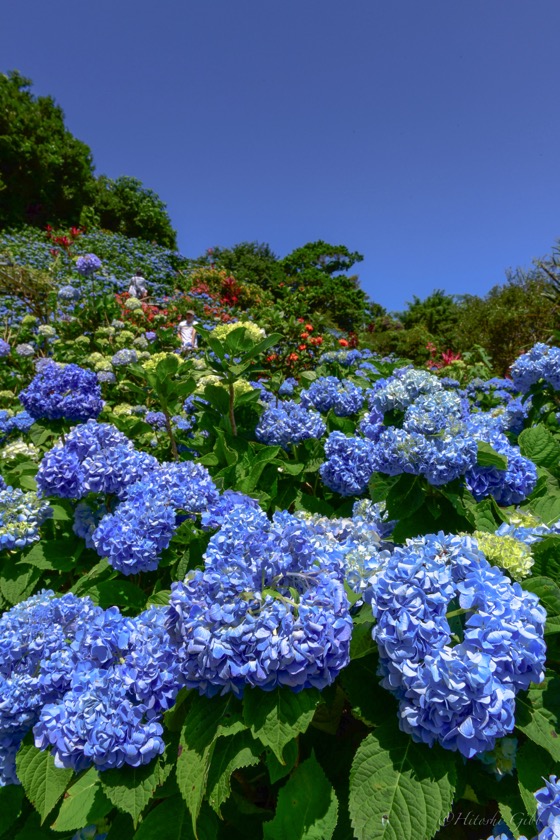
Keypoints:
(307, 806)
(230, 754)
(399, 788)
(78, 802)
(538, 444)
(538, 715)
(131, 788)
(276, 770)
(488, 457)
(18, 583)
(43, 783)
(168, 821)
(546, 553)
(370, 703)
(532, 764)
(547, 507)
(277, 717)
(11, 799)
(547, 591)
(160, 599)
(512, 808)
(207, 719)
(362, 643)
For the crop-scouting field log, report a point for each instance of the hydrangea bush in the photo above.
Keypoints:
(241, 600)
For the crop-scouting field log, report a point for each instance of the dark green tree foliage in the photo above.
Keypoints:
(509, 320)
(438, 314)
(251, 262)
(315, 281)
(46, 174)
(125, 206)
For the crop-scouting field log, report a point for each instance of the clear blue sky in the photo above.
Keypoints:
(422, 133)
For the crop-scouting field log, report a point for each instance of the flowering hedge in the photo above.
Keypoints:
(236, 601)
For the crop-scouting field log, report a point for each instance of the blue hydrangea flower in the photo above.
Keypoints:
(266, 611)
(343, 396)
(461, 695)
(69, 294)
(4, 348)
(68, 392)
(287, 387)
(21, 514)
(287, 424)
(125, 357)
(350, 464)
(88, 264)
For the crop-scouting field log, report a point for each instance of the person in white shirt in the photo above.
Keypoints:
(187, 333)
(138, 287)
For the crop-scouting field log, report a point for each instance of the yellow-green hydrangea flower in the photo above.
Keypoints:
(255, 332)
(506, 552)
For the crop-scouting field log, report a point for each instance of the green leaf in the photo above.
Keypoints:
(120, 593)
(101, 571)
(276, 770)
(538, 715)
(207, 719)
(488, 457)
(407, 494)
(362, 643)
(532, 764)
(168, 821)
(58, 555)
(17, 583)
(276, 717)
(307, 806)
(370, 703)
(80, 801)
(540, 446)
(546, 553)
(230, 754)
(167, 368)
(159, 599)
(11, 800)
(547, 591)
(131, 788)
(43, 783)
(399, 788)
(547, 507)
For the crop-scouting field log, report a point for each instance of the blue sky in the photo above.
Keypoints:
(421, 133)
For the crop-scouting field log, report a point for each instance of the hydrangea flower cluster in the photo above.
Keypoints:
(91, 682)
(268, 609)
(133, 537)
(541, 362)
(95, 458)
(56, 393)
(69, 294)
(350, 464)
(125, 357)
(289, 423)
(88, 264)
(4, 348)
(548, 813)
(400, 390)
(21, 515)
(327, 392)
(506, 552)
(20, 422)
(462, 695)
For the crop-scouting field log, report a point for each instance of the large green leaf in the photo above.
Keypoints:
(43, 783)
(207, 719)
(131, 788)
(532, 764)
(488, 457)
(540, 446)
(538, 715)
(546, 553)
(170, 820)
(11, 800)
(398, 788)
(547, 591)
(307, 806)
(83, 803)
(276, 717)
(230, 754)
(547, 507)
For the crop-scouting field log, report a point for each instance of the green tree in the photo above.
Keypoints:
(315, 283)
(250, 262)
(46, 174)
(438, 314)
(125, 206)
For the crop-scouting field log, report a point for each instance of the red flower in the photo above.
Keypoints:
(304, 335)
(309, 328)
(343, 342)
(317, 340)
(302, 347)
(301, 320)
(293, 357)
